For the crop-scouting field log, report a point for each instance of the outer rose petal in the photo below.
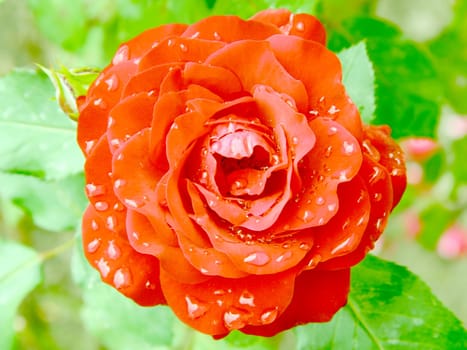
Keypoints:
(220, 305)
(229, 29)
(302, 25)
(133, 274)
(270, 72)
(320, 71)
(318, 295)
(102, 96)
(99, 187)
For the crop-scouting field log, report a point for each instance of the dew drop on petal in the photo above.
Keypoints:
(258, 259)
(332, 131)
(118, 207)
(235, 318)
(123, 54)
(349, 148)
(122, 278)
(101, 206)
(183, 48)
(332, 206)
(328, 151)
(295, 140)
(195, 308)
(333, 110)
(103, 267)
(269, 316)
(300, 26)
(219, 292)
(379, 224)
(133, 203)
(111, 222)
(93, 190)
(287, 255)
(93, 245)
(113, 251)
(89, 146)
(112, 83)
(307, 216)
(377, 197)
(119, 183)
(216, 36)
(304, 246)
(246, 298)
(320, 201)
(341, 246)
(94, 225)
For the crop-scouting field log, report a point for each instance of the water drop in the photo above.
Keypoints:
(341, 246)
(93, 190)
(112, 83)
(183, 48)
(93, 245)
(235, 318)
(379, 224)
(332, 206)
(300, 26)
(246, 298)
(332, 131)
(321, 221)
(328, 151)
(89, 146)
(133, 203)
(361, 220)
(135, 235)
(304, 246)
(150, 285)
(307, 215)
(349, 148)
(320, 201)
(113, 251)
(195, 308)
(119, 183)
(103, 267)
(204, 271)
(295, 140)
(119, 207)
(123, 54)
(216, 36)
(313, 112)
(258, 259)
(101, 206)
(219, 292)
(240, 184)
(122, 278)
(287, 255)
(111, 222)
(333, 110)
(377, 196)
(99, 102)
(269, 316)
(94, 225)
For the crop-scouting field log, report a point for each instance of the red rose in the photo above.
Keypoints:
(229, 174)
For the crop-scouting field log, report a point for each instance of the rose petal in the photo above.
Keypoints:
(177, 49)
(144, 238)
(343, 233)
(220, 305)
(149, 80)
(392, 158)
(335, 158)
(133, 274)
(317, 296)
(229, 29)
(99, 187)
(381, 198)
(219, 80)
(249, 255)
(102, 96)
(300, 24)
(320, 71)
(127, 118)
(269, 73)
(140, 45)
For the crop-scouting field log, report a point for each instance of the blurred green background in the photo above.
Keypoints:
(418, 45)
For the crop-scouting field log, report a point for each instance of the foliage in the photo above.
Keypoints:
(414, 86)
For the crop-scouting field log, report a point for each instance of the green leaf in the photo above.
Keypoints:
(388, 308)
(246, 9)
(35, 136)
(115, 320)
(19, 274)
(408, 90)
(358, 78)
(53, 205)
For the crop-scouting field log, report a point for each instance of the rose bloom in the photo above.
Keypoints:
(229, 174)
